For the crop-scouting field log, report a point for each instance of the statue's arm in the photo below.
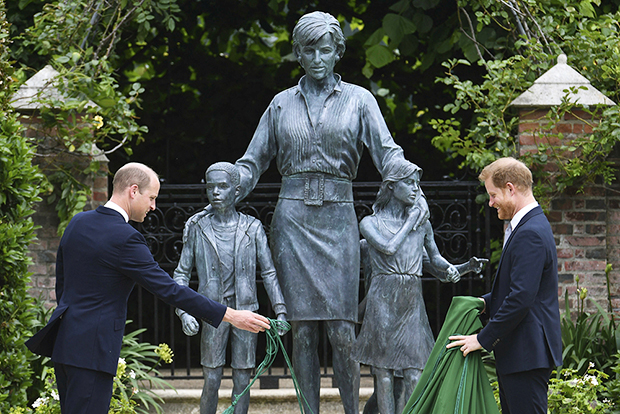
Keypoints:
(389, 246)
(437, 265)
(268, 271)
(261, 150)
(183, 272)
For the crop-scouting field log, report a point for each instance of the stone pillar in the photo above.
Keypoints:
(586, 224)
(43, 250)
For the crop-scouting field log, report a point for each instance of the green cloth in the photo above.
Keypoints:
(451, 383)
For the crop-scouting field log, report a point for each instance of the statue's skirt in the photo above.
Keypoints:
(316, 254)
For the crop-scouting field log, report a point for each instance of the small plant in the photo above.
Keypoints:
(590, 337)
(136, 367)
(572, 393)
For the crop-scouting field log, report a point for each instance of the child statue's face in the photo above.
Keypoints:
(220, 191)
(407, 190)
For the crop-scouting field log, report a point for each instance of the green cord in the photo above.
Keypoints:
(273, 343)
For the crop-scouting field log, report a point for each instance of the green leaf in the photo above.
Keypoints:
(379, 55)
(397, 26)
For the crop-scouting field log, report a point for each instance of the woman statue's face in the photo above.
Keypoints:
(319, 59)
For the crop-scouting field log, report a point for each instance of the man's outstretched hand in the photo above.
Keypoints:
(246, 320)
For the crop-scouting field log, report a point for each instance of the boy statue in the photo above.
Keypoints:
(223, 246)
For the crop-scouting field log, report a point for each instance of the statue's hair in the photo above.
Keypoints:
(130, 174)
(228, 168)
(508, 170)
(394, 173)
(312, 26)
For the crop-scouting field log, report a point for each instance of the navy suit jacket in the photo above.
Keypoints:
(100, 259)
(524, 326)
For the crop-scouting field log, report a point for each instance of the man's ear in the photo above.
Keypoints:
(510, 186)
(133, 190)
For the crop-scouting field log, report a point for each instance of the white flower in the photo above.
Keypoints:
(39, 402)
(592, 379)
(132, 374)
(591, 365)
(55, 395)
(121, 361)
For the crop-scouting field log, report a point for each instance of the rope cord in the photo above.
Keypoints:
(273, 343)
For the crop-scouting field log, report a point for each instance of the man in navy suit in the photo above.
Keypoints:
(524, 319)
(100, 259)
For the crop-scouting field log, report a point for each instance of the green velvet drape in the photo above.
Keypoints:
(451, 383)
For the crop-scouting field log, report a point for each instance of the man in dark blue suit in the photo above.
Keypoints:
(524, 319)
(100, 259)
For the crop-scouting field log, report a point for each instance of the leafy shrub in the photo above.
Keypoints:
(20, 182)
(136, 375)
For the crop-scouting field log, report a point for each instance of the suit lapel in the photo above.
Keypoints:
(534, 212)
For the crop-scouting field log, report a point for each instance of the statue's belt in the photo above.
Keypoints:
(314, 189)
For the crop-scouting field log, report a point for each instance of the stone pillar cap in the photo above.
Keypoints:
(41, 85)
(553, 85)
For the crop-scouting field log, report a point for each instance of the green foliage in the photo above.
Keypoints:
(538, 32)
(588, 338)
(79, 40)
(136, 376)
(19, 190)
(574, 393)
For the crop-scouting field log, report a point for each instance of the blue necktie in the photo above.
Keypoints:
(507, 233)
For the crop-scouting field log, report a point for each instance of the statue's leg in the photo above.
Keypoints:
(241, 379)
(346, 371)
(385, 390)
(401, 397)
(208, 399)
(410, 380)
(306, 361)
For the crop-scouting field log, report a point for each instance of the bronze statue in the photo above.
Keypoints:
(316, 132)
(395, 334)
(223, 246)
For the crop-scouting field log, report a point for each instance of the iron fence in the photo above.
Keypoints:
(461, 227)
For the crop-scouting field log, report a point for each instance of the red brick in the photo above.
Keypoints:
(100, 196)
(528, 139)
(554, 216)
(529, 127)
(584, 216)
(580, 253)
(578, 128)
(532, 114)
(584, 265)
(561, 228)
(564, 127)
(580, 204)
(565, 253)
(585, 241)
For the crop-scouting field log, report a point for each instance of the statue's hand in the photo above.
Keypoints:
(190, 324)
(476, 264)
(282, 317)
(453, 274)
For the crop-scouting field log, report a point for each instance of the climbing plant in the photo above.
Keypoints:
(535, 33)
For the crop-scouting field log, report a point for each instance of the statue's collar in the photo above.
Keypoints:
(301, 85)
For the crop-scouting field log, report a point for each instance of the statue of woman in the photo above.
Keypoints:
(316, 132)
(395, 333)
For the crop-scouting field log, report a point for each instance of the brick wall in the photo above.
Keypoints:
(586, 224)
(43, 250)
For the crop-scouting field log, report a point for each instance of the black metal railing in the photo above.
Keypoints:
(461, 231)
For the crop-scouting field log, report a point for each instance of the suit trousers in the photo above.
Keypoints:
(83, 391)
(524, 392)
